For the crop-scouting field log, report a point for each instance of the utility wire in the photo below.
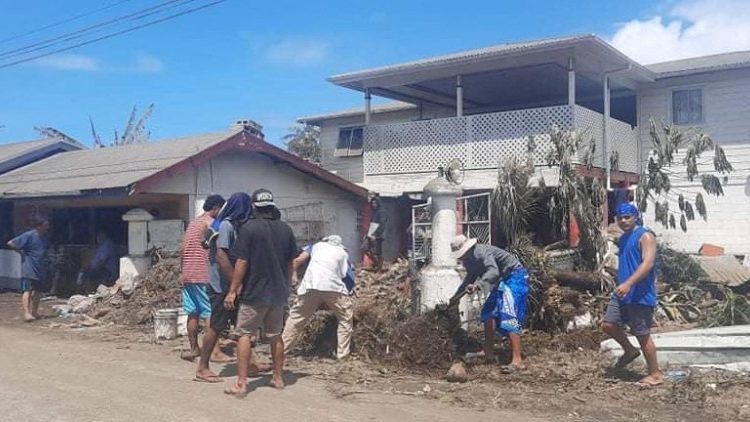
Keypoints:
(58, 23)
(41, 45)
(112, 35)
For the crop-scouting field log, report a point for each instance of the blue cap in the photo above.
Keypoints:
(627, 209)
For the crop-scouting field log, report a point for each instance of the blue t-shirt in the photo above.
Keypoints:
(643, 292)
(225, 240)
(106, 256)
(33, 248)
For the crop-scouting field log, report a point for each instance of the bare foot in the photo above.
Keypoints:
(257, 368)
(28, 317)
(277, 383)
(651, 380)
(238, 391)
(190, 355)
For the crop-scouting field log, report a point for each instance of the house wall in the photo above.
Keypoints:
(350, 168)
(246, 172)
(726, 110)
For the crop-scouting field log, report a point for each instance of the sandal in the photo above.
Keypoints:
(211, 379)
(511, 369)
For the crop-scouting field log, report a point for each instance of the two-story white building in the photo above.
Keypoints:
(481, 106)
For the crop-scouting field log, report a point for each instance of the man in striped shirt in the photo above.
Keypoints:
(195, 273)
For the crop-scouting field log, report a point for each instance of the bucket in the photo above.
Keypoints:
(165, 324)
(182, 318)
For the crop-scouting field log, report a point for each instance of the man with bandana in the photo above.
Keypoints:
(634, 299)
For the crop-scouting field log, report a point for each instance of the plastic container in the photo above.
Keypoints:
(165, 324)
(182, 318)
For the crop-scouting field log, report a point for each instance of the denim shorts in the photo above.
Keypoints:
(638, 317)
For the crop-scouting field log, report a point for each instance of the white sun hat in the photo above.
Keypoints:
(460, 245)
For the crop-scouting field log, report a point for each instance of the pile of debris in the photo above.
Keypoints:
(159, 288)
(382, 302)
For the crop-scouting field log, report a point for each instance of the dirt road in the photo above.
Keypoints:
(45, 377)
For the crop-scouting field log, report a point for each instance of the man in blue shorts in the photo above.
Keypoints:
(33, 246)
(634, 299)
(499, 272)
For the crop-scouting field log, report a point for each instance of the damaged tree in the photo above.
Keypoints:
(655, 185)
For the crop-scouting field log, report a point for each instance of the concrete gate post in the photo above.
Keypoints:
(439, 279)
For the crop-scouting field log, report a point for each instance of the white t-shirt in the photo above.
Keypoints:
(326, 270)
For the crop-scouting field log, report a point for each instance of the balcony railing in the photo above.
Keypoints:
(482, 141)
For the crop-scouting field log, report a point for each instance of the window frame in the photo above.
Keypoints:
(347, 151)
(687, 88)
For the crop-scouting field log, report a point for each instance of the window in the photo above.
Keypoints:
(687, 106)
(350, 142)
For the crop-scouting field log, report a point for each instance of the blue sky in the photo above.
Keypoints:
(268, 60)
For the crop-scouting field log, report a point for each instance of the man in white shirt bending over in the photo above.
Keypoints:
(328, 280)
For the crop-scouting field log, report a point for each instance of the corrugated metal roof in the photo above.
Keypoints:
(725, 61)
(469, 55)
(358, 111)
(103, 168)
(487, 53)
(18, 149)
(725, 269)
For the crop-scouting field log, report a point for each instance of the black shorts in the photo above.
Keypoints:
(221, 318)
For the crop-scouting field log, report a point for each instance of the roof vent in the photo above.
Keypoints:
(250, 126)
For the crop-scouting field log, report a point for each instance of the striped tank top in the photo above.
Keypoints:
(194, 257)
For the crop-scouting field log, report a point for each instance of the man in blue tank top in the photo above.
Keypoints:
(634, 299)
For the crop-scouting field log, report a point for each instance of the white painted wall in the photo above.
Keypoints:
(726, 109)
(350, 168)
(246, 172)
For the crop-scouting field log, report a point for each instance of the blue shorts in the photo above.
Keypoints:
(195, 300)
(30, 284)
(506, 303)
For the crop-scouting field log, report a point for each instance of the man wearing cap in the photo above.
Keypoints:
(264, 249)
(329, 281)
(634, 299)
(499, 273)
(195, 276)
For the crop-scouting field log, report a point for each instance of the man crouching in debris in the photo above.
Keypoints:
(634, 299)
(329, 281)
(264, 249)
(500, 273)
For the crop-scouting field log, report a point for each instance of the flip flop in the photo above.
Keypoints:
(236, 392)
(625, 360)
(511, 369)
(210, 379)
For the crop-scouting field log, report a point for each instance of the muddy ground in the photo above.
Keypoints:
(565, 377)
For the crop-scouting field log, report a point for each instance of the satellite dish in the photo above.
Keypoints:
(454, 171)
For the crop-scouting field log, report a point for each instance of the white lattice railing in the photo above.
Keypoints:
(482, 141)
(623, 138)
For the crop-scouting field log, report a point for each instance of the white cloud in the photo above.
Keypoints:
(68, 62)
(146, 63)
(142, 63)
(689, 28)
(298, 52)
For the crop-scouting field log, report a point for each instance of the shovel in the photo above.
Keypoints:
(452, 303)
